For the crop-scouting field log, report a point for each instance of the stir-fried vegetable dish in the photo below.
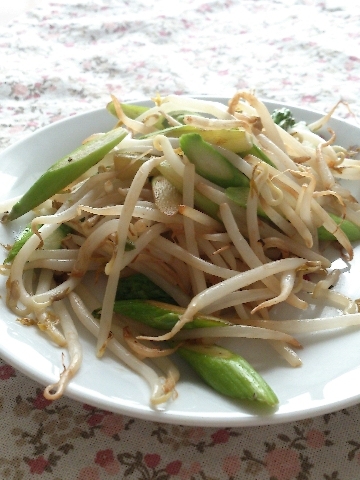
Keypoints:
(193, 219)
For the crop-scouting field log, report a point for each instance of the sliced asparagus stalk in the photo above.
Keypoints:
(209, 163)
(53, 242)
(161, 315)
(234, 140)
(239, 195)
(66, 170)
(131, 111)
(140, 287)
(228, 373)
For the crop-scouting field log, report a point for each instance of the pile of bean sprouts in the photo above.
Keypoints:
(235, 266)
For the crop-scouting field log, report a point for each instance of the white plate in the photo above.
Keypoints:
(327, 381)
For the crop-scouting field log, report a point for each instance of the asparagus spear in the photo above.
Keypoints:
(239, 195)
(351, 230)
(224, 371)
(53, 242)
(160, 315)
(234, 140)
(210, 163)
(66, 170)
(228, 373)
(134, 111)
(138, 286)
(257, 152)
(131, 111)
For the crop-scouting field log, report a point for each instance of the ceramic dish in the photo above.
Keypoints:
(327, 381)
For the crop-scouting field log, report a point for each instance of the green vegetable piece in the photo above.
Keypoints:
(66, 170)
(131, 111)
(239, 195)
(134, 111)
(210, 163)
(139, 286)
(19, 243)
(236, 141)
(161, 315)
(284, 118)
(129, 245)
(351, 230)
(176, 115)
(233, 140)
(174, 131)
(53, 242)
(257, 152)
(228, 373)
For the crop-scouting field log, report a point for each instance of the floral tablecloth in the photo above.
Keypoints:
(67, 57)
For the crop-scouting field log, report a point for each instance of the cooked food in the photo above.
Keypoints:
(181, 227)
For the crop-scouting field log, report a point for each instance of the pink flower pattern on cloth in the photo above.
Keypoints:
(67, 57)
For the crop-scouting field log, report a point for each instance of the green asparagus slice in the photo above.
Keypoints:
(53, 242)
(134, 111)
(351, 230)
(66, 170)
(239, 195)
(210, 163)
(139, 287)
(131, 111)
(228, 373)
(234, 140)
(162, 316)
(257, 152)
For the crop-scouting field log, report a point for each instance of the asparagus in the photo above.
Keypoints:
(239, 195)
(257, 152)
(53, 242)
(228, 373)
(131, 111)
(210, 163)
(224, 371)
(160, 315)
(66, 170)
(139, 286)
(134, 111)
(234, 140)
